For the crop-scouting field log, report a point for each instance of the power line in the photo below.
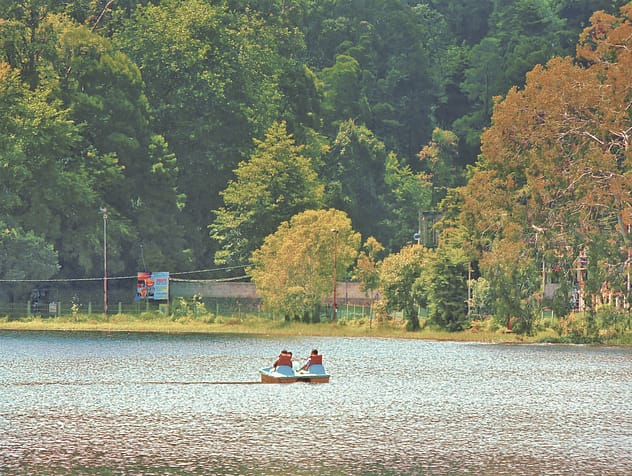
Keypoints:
(69, 280)
(208, 270)
(234, 278)
(61, 280)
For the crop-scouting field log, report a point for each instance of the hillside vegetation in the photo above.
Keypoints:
(471, 157)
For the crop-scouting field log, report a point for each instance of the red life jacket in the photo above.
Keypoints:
(284, 359)
(316, 359)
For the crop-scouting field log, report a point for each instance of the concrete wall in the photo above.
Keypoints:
(214, 289)
(346, 293)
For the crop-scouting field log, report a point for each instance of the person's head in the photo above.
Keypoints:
(283, 352)
(314, 352)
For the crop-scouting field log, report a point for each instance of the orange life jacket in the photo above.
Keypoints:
(284, 359)
(316, 359)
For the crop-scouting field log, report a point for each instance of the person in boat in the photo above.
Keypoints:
(285, 358)
(314, 358)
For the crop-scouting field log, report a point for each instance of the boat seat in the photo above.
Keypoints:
(316, 369)
(285, 370)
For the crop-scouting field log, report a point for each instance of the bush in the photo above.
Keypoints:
(147, 316)
(520, 325)
(343, 321)
(574, 325)
(571, 340)
(611, 318)
(545, 323)
(193, 306)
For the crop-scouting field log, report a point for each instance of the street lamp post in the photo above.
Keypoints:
(469, 288)
(105, 260)
(335, 232)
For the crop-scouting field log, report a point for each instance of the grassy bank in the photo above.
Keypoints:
(253, 325)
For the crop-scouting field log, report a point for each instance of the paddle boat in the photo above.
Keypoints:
(287, 374)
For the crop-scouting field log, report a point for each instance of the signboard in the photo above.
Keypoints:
(152, 286)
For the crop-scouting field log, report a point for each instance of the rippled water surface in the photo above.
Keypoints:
(94, 403)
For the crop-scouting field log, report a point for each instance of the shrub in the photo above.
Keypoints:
(192, 307)
(574, 325)
(343, 321)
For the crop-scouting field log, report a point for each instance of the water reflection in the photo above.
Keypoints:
(152, 404)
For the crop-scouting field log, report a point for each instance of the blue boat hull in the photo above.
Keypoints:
(286, 374)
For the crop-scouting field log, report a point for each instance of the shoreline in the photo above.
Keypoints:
(252, 326)
(263, 327)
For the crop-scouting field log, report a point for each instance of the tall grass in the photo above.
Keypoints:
(251, 324)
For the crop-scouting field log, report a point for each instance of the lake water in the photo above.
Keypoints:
(98, 403)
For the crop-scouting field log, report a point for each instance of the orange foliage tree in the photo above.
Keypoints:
(555, 174)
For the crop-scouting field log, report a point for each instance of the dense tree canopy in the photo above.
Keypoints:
(44, 182)
(212, 82)
(105, 92)
(235, 116)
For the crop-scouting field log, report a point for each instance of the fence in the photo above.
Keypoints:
(188, 298)
(178, 306)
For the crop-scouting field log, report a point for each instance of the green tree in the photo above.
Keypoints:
(276, 183)
(521, 34)
(24, 256)
(514, 284)
(439, 160)
(45, 185)
(342, 92)
(467, 20)
(27, 39)
(401, 285)
(367, 270)
(355, 176)
(445, 282)
(102, 144)
(531, 32)
(404, 83)
(300, 99)
(294, 268)
(410, 193)
(482, 81)
(380, 61)
(211, 78)
(105, 93)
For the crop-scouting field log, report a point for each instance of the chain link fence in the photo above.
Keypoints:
(56, 299)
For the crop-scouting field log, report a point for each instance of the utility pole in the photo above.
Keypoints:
(335, 232)
(469, 288)
(105, 260)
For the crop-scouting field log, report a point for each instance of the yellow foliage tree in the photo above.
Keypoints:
(294, 268)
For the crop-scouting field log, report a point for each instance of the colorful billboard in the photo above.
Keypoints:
(153, 286)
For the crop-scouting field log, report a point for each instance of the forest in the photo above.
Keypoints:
(472, 156)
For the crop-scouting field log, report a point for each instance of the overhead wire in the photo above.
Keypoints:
(135, 276)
